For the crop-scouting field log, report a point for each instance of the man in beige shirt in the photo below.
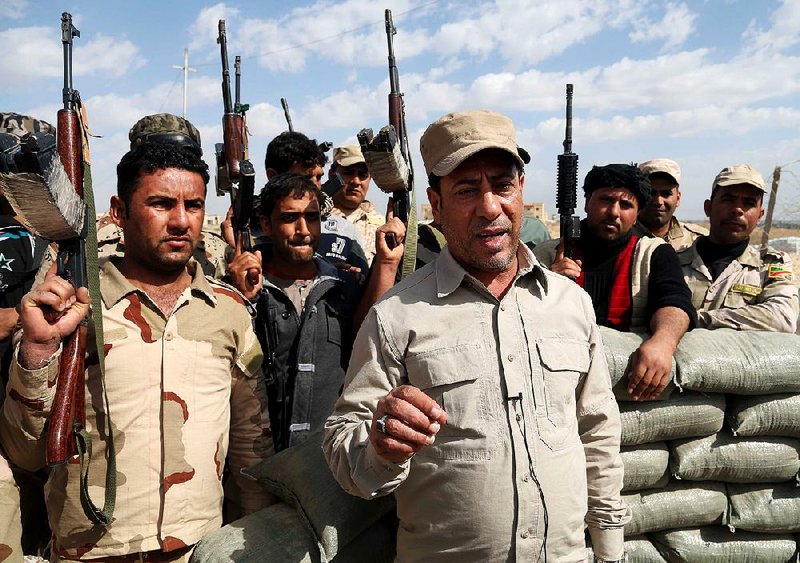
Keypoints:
(478, 391)
(183, 378)
(733, 284)
(350, 202)
(657, 217)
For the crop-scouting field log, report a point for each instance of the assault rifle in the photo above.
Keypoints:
(388, 157)
(567, 194)
(235, 173)
(397, 119)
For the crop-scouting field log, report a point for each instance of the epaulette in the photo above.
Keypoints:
(779, 255)
(224, 288)
(694, 228)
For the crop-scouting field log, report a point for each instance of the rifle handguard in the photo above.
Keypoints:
(384, 159)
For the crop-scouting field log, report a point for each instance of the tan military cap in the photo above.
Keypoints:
(453, 138)
(664, 165)
(739, 174)
(348, 155)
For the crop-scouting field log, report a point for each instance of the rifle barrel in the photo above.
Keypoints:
(226, 75)
(237, 65)
(568, 132)
(286, 114)
(68, 31)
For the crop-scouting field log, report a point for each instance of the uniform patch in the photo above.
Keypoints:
(779, 272)
(746, 289)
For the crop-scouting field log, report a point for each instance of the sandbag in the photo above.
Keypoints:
(276, 533)
(723, 457)
(684, 415)
(720, 545)
(639, 549)
(646, 466)
(765, 415)
(301, 478)
(678, 505)
(746, 362)
(765, 508)
(619, 346)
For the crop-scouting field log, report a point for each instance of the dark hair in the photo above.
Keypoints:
(291, 147)
(618, 176)
(283, 185)
(435, 182)
(146, 158)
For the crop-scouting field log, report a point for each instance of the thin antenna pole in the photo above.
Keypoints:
(186, 69)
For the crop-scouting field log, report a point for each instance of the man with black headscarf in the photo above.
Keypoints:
(635, 283)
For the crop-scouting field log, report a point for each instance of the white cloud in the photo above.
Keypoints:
(13, 9)
(674, 28)
(41, 50)
(782, 34)
(205, 28)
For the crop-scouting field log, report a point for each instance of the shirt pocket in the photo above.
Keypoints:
(563, 363)
(457, 379)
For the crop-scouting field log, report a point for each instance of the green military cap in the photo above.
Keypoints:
(19, 125)
(165, 127)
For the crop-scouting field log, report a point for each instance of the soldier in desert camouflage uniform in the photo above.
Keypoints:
(183, 378)
(211, 249)
(657, 217)
(733, 284)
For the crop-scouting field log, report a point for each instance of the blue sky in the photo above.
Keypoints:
(707, 83)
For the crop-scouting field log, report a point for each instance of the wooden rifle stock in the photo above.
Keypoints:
(233, 138)
(68, 410)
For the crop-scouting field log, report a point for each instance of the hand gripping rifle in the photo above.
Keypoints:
(567, 194)
(58, 205)
(388, 157)
(235, 173)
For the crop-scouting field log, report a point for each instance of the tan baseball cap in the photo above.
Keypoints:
(739, 174)
(453, 138)
(664, 165)
(348, 155)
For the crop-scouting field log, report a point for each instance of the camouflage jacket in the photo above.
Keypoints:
(367, 221)
(679, 236)
(757, 291)
(185, 391)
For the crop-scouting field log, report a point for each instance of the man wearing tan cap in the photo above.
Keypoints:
(443, 401)
(733, 284)
(656, 218)
(350, 202)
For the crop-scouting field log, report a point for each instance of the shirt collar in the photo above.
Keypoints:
(450, 274)
(114, 286)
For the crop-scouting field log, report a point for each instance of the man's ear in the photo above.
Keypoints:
(435, 199)
(678, 201)
(707, 207)
(118, 212)
(266, 226)
(271, 173)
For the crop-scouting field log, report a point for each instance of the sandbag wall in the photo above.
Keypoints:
(711, 469)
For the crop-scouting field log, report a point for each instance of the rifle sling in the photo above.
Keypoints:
(83, 441)
(410, 244)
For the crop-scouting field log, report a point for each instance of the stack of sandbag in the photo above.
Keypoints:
(711, 469)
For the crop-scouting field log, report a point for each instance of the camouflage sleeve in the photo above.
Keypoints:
(10, 523)
(774, 309)
(29, 397)
(250, 439)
